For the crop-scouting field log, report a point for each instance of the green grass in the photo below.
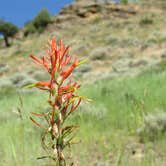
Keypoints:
(107, 125)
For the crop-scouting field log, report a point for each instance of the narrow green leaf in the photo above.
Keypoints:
(30, 86)
(83, 61)
(43, 157)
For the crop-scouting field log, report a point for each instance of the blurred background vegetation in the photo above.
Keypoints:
(125, 76)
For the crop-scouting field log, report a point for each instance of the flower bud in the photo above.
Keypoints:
(55, 129)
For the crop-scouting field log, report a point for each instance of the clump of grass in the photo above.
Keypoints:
(163, 55)
(5, 83)
(124, 1)
(6, 87)
(101, 53)
(164, 6)
(146, 20)
(38, 75)
(84, 68)
(39, 23)
(112, 40)
(3, 68)
(162, 64)
(29, 29)
(18, 78)
(26, 81)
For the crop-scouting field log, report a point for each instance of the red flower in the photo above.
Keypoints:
(63, 99)
(55, 62)
(66, 73)
(43, 62)
(68, 88)
(43, 84)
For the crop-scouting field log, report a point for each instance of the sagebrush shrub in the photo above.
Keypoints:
(154, 126)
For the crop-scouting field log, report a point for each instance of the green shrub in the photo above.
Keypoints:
(30, 29)
(162, 64)
(112, 40)
(124, 1)
(38, 75)
(146, 20)
(18, 78)
(3, 68)
(6, 86)
(84, 68)
(42, 19)
(154, 126)
(129, 1)
(164, 6)
(38, 24)
(40, 29)
(26, 81)
(101, 53)
(7, 29)
(163, 55)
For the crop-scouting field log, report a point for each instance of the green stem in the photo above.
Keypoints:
(61, 159)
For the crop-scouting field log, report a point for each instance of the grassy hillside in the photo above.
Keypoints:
(108, 126)
(125, 76)
(118, 39)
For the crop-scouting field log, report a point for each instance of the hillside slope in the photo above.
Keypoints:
(118, 40)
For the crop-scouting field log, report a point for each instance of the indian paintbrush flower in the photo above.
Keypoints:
(63, 98)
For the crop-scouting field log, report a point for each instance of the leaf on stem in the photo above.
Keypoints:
(36, 123)
(38, 114)
(68, 129)
(30, 86)
(44, 157)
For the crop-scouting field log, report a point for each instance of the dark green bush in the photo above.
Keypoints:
(7, 29)
(146, 20)
(162, 64)
(30, 29)
(42, 19)
(38, 24)
(124, 1)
